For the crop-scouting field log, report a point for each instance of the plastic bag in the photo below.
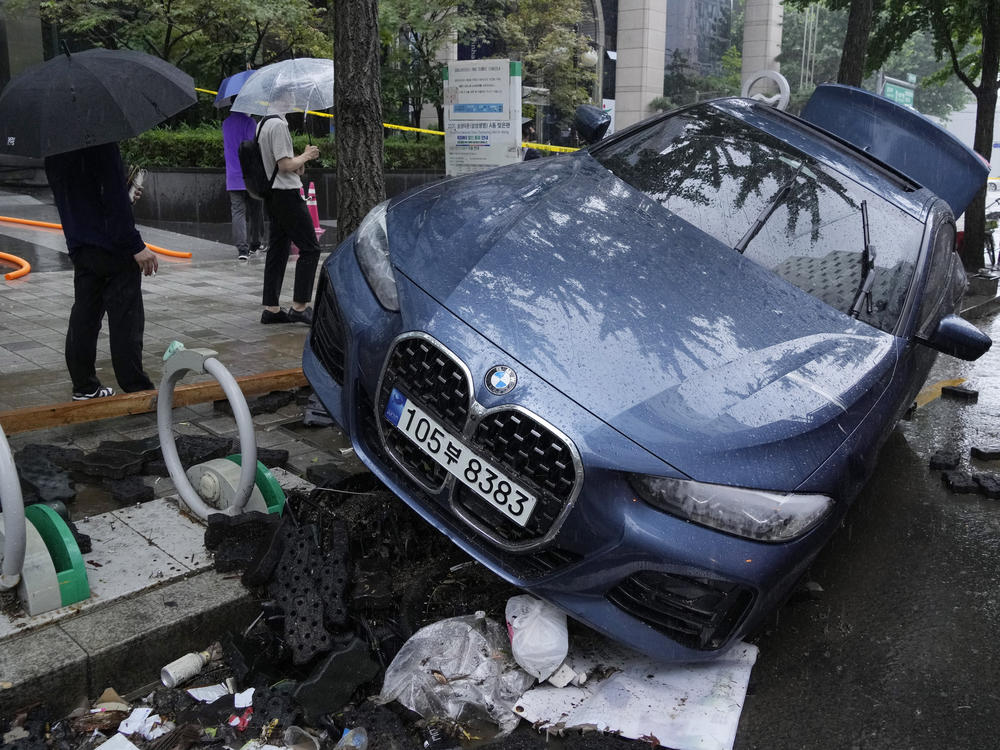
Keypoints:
(460, 668)
(538, 635)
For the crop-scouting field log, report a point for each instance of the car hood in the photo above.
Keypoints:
(704, 358)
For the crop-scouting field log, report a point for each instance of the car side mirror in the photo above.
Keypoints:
(591, 122)
(957, 337)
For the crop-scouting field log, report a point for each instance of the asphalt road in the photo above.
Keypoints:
(899, 649)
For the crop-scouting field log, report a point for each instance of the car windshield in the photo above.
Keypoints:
(776, 205)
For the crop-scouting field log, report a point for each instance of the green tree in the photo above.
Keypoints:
(206, 38)
(939, 91)
(966, 34)
(543, 35)
(414, 33)
(860, 15)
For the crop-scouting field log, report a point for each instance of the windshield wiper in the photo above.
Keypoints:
(867, 269)
(777, 200)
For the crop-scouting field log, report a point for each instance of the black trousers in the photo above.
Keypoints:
(290, 222)
(106, 282)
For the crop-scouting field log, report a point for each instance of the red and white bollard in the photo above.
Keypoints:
(313, 212)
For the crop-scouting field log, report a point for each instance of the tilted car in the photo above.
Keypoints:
(645, 380)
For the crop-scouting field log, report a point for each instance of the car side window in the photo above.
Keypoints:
(944, 285)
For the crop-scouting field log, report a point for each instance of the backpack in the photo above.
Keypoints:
(252, 164)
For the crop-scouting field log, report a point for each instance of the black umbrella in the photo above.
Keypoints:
(88, 98)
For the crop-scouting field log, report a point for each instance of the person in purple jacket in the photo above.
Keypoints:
(247, 213)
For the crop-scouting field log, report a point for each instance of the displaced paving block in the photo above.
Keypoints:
(130, 490)
(270, 457)
(326, 475)
(239, 540)
(266, 404)
(109, 464)
(960, 482)
(335, 679)
(985, 454)
(989, 483)
(41, 478)
(946, 460)
(60, 455)
(960, 393)
(261, 567)
(146, 448)
(316, 414)
(191, 450)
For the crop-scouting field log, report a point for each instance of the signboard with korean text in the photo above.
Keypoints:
(482, 115)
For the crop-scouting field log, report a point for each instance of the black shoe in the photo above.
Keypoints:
(102, 392)
(300, 316)
(242, 256)
(266, 316)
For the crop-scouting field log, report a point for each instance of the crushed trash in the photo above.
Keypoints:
(460, 668)
(680, 706)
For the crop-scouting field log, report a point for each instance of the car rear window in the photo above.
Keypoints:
(780, 207)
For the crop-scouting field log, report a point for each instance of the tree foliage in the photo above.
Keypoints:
(966, 34)
(414, 33)
(543, 35)
(206, 38)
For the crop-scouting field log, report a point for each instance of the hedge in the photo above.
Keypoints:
(201, 147)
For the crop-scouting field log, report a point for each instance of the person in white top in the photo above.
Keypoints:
(290, 222)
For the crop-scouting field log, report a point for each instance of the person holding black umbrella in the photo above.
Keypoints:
(72, 111)
(108, 256)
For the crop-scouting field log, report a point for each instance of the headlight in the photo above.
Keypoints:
(371, 248)
(753, 514)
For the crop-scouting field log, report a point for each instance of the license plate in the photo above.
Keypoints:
(479, 475)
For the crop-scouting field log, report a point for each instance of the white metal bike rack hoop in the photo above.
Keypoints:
(178, 361)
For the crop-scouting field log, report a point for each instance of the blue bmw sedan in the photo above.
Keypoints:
(644, 381)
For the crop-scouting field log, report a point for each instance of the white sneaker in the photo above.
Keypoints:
(99, 393)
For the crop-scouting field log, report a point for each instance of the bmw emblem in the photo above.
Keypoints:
(500, 379)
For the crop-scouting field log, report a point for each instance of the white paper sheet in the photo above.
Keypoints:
(686, 707)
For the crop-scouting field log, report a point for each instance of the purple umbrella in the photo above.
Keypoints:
(230, 87)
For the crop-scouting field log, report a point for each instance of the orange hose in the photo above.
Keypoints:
(171, 253)
(50, 225)
(23, 270)
(31, 222)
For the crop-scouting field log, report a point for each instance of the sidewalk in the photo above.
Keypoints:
(154, 592)
(211, 301)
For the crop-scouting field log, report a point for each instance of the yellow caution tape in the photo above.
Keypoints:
(391, 126)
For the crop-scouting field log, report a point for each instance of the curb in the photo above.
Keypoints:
(122, 645)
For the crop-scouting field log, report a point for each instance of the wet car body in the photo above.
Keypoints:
(582, 328)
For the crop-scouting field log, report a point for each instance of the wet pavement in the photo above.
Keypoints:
(899, 649)
(211, 300)
(894, 648)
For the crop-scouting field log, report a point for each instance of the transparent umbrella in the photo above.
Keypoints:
(287, 86)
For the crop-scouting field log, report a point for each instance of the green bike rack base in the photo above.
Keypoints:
(274, 496)
(59, 541)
